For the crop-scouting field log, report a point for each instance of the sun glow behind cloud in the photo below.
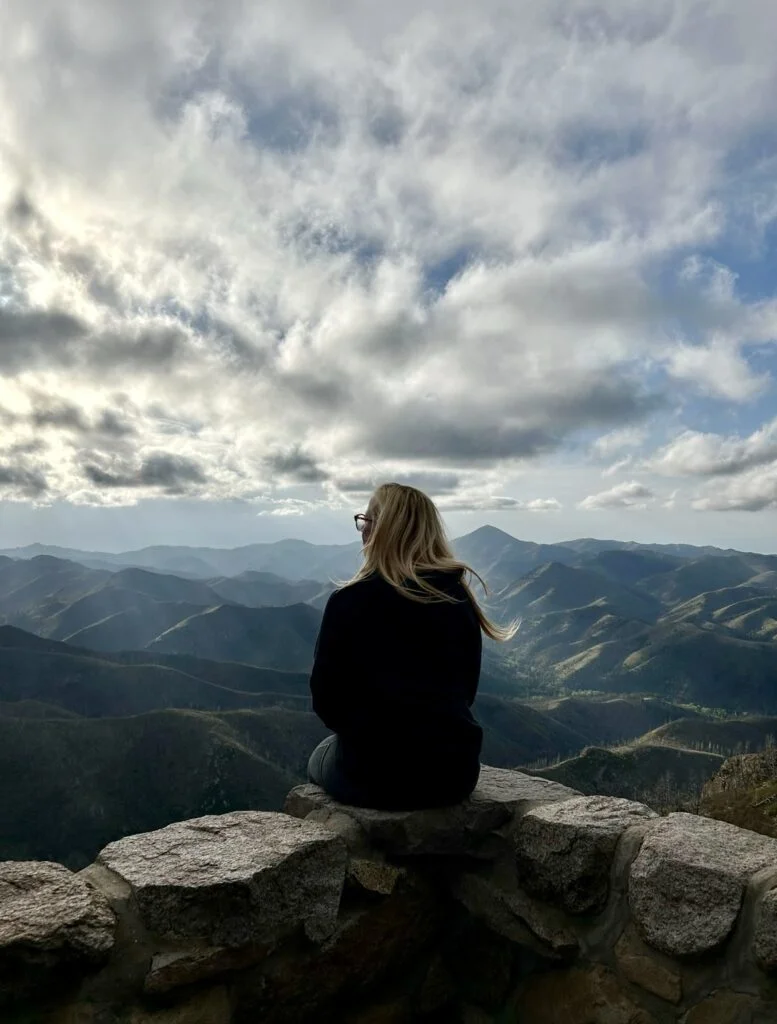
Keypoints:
(277, 253)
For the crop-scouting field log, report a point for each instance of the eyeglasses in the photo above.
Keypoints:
(361, 522)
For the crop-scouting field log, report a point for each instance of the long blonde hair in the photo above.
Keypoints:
(407, 540)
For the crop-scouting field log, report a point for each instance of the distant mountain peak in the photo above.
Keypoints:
(489, 532)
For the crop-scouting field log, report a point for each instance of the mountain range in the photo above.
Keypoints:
(140, 687)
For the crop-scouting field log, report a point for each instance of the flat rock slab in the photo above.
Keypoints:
(49, 919)
(230, 880)
(688, 881)
(564, 851)
(460, 829)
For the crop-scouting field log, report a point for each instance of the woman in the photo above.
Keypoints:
(397, 665)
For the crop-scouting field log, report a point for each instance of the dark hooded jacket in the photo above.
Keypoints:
(395, 679)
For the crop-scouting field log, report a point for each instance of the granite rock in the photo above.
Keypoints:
(458, 830)
(50, 921)
(239, 879)
(564, 851)
(688, 881)
(765, 933)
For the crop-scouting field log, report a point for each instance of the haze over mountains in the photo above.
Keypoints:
(162, 683)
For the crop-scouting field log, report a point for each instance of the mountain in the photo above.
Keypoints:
(615, 720)
(725, 736)
(631, 567)
(705, 574)
(266, 589)
(86, 683)
(132, 608)
(81, 783)
(290, 559)
(269, 637)
(554, 587)
(665, 778)
(744, 792)
(502, 559)
(695, 665)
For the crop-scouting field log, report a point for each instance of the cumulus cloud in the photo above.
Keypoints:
(617, 440)
(248, 250)
(693, 453)
(174, 474)
(17, 483)
(626, 495)
(751, 492)
(431, 481)
(495, 503)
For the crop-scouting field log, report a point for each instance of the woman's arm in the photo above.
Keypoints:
(331, 679)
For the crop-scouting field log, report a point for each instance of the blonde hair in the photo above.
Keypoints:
(407, 539)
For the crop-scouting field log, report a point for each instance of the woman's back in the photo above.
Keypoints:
(395, 679)
(397, 664)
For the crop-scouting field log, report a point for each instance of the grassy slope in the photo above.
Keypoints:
(744, 792)
(663, 777)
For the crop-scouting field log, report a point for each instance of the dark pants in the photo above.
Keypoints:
(326, 769)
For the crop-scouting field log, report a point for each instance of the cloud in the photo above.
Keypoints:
(616, 440)
(430, 481)
(454, 245)
(751, 492)
(171, 473)
(30, 337)
(693, 453)
(626, 495)
(18, 483)
(494, 503)
(296, 466)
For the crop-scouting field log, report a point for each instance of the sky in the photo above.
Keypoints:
(257, 258)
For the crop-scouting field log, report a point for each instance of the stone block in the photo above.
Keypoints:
(239, 879)
(724, 1007)
(375, 875)
(51, 922)
(390, 937)
(765, 932)
(513, 914)
(688, 881)
(457, 830)
(638, 964)
(564, 851)
(578, 996)
(169, 971)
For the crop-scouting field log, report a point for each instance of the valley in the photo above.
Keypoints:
(155, 685)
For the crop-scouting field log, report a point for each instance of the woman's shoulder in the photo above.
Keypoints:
(357, 590)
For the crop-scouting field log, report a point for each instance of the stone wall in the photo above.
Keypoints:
(527, 903)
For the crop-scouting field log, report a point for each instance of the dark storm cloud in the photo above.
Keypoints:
(31, 482)
(111, 425)
(326, 392)
(63, 416)
(170, 472)
(297, 466)
(53, 338)
(482, 435)
(21, 211)
(32, 336)
(429, 481)
(419, 433)
(156, 347)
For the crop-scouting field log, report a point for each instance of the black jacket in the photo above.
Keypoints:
(395, 680)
